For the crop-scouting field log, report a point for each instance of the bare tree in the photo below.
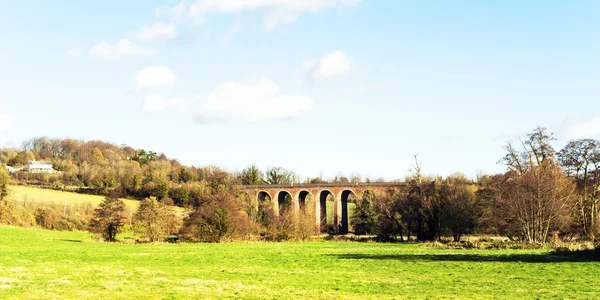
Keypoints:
(539, 201)
(581, 160)
(538, 195)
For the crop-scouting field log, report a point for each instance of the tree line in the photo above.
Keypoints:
(99, 167)
(543, 193)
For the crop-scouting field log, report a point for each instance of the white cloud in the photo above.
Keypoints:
(278, 11)
(75, 52)
(176, 11)
(154, 103)
(331, 65)
(122, 48)
(251, 102)
(6, 120)
(581, 128)
(158, 31)
(154, 76)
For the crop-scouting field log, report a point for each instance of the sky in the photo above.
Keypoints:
(320, 87)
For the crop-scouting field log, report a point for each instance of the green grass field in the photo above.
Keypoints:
(49, 264)
(24, 193)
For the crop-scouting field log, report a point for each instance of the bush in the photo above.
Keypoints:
(282, 228)
(305, 226)
(155, 220)
(219, 217)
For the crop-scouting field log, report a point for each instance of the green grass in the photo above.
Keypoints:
(48, 264)
(24, 193)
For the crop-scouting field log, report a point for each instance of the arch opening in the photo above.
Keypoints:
(325, 211)
(348, 202)
(304, 201)
(284, 202)
(263, 207)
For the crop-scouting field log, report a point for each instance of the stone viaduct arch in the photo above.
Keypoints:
(295, 197)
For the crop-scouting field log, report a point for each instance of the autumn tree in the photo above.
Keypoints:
(581, 160)
(491, 218)
(538, 195)
(539, 201)
(4, 180)
(108, 217)
(219, 216)
(459, 212)
(154, 220)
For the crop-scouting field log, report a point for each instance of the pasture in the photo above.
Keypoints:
(51, 264)
(25, 193)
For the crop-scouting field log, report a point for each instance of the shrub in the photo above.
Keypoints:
(219, 217)
(155, 220)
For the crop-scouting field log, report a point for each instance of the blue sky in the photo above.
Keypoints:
(321, 87)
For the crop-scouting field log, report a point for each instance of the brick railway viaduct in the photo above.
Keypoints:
(298, 194)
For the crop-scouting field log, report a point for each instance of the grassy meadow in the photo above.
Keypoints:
(25, 193)
(42, 264)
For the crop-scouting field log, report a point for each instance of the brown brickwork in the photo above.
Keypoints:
(319, 192)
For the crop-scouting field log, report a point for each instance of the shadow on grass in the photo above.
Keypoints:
(72, 241)
(580, 256)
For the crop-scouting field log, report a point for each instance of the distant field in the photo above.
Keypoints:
(49, 264)
(23, 193)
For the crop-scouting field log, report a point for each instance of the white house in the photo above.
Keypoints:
(39, 167)
(12, 170)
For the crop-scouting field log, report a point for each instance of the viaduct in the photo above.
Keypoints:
(298, 194)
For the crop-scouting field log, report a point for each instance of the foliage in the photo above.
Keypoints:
(220, 216)
(155, 220)
(581, 161)
(252, 176)
(539, 201)
(277, 175)
(364, 218)
(4, 180)
(108, 217)
(460, 211)
(538, 195)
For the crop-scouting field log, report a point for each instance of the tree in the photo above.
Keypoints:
(536, 151)
(219, 216)
(4, 180)
(459, 214)
(252, 176)
(107, 219)
(154, 220)
(388, 208)
(538, 194)
(491, 216)
(97, 155)
(277, 175)
(581, 160)
(539, 201)
(364, 218)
